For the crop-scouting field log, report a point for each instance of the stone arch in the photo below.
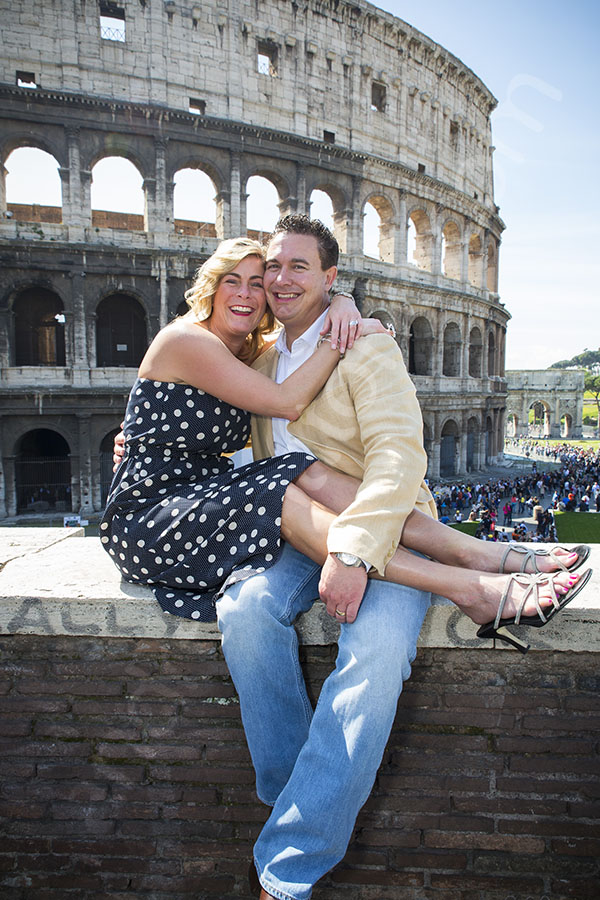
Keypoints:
(449, 448)
(566, 425)
(491, 355)
(385, 318)
(42, 471)
(121, 330)
(420, 347)
(263, 201)
(422, 252)
(539, 414)
(338, 212)
(195, 201)
(126, 211)
(452, 350)
(384, 238)
(489, 439)
(32, 184)
(451, 250)
(475, 260)
(512, 425)
(475, 352)
(39, 332)
(492, 267)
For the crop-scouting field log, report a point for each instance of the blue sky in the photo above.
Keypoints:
(540, 60)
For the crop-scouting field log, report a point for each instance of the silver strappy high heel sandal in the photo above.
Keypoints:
(529, 555)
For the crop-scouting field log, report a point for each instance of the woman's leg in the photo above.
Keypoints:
(305, 524)
(336, 491)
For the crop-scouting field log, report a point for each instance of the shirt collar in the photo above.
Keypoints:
(308, 337)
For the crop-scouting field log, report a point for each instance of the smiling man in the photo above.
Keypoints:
(316, 769)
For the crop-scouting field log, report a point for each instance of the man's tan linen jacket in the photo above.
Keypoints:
(365, 422)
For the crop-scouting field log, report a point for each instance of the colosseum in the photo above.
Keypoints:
(321, 99)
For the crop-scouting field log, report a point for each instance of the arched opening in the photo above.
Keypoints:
(475, 352)
(106, 463)
(371, 226)
(492, 268)
(262, 207)
(448, 449)
(451, 251)
(452, 345)
(420, 347)
(321, 207)
(512, 425)
(117, 195)
(121, 338)
(472, 444)
(566, 425)
(33, 186)
(43, 472)
(491, 354)
(194, 203)
(539, 419)
(419, 240)
(39, 328)
(475, 257)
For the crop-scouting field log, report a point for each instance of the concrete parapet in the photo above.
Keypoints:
(50, 585)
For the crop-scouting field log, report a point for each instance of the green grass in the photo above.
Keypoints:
(587, 445)
(467, 527)
(578, 528)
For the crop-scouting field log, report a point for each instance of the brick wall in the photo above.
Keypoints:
(125, 774)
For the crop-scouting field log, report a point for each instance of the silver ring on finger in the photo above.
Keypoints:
(354, 322)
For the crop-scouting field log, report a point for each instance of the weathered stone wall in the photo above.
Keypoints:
(423, 158)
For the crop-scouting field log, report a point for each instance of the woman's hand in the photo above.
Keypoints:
(375, 326)
(343, 322)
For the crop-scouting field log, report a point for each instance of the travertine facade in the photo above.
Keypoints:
(339, 97)
(558, 396)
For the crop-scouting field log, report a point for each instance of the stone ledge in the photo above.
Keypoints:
(50, 584)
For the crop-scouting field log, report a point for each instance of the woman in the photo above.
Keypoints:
(180, 519)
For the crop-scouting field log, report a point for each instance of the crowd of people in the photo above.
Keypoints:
(572, 485)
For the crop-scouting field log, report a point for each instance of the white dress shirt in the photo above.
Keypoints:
(289, 361)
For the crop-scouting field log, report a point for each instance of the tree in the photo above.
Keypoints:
(592, 385)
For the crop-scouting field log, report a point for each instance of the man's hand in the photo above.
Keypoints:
(342, 588)
(118, 449)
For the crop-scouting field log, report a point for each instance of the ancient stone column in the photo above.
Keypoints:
(237, 205)
(85, 465)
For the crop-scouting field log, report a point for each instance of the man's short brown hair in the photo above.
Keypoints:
(329, 249)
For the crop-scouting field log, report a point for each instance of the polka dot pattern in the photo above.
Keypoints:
(179, 517)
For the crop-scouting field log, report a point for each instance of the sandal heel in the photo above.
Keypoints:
(503, 634)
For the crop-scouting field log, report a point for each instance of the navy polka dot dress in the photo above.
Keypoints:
(179, 517)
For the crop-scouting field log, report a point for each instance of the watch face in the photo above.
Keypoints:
(348, 559)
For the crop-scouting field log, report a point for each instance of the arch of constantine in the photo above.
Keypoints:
(554, 397)
(340, 98)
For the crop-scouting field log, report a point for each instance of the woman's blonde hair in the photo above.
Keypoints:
(200, 296)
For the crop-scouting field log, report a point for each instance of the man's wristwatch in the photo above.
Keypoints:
(352, 561)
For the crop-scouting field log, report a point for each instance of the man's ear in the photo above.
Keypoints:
(330, 276)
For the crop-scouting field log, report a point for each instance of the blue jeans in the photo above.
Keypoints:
(315, 769)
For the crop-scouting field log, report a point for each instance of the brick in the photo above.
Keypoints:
(201, 774)
(551, 828)
(574, 847)
(496, 842)
(90, 772)
(44, 749)
(82, 729)
(170, 752)
(372, 876)
(115, 708)
(578, 888)
(74, 688)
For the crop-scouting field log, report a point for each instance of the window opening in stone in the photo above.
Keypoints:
(39, 328)
(472, 443)
(421, 168)
(475, 353)
(448, 449)
(112, 22)
(194, 203)
(198, 107)
(33, 186)
(419, 240)
(321, 207)
(329, 137)
(420, 347)
(117, 195)
(491, 354)
(266, 59)
(26, 79)
(475, 260)
(378, 95)
(492, 268)
(452, 348)
(120, 331)
(451, 251)
(371, 231)
(262, 207)
(43, 472)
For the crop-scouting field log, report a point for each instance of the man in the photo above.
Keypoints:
(317, 770)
